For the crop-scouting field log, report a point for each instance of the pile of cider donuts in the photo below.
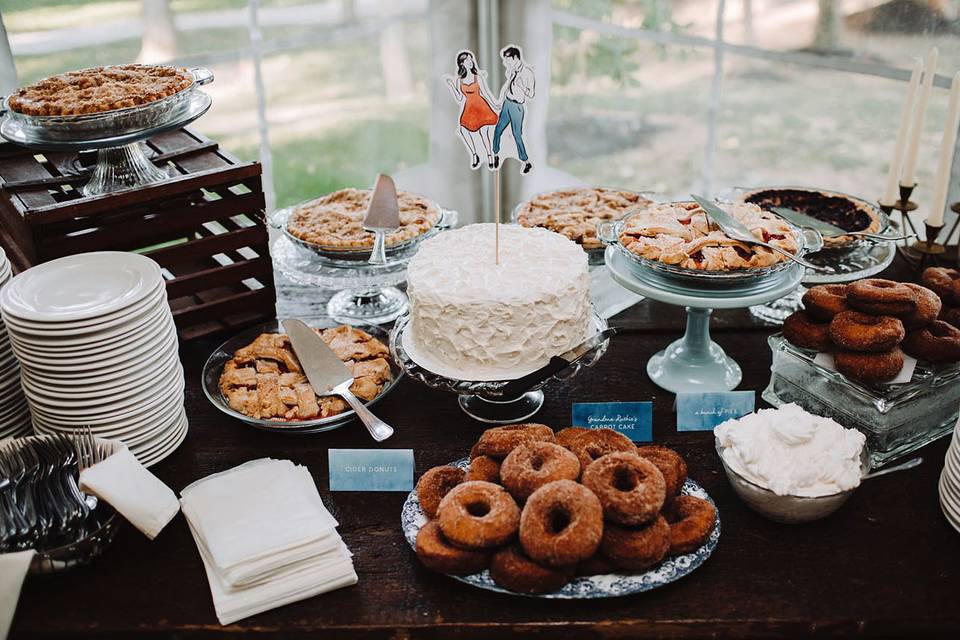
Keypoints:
(539, 508)
(869, 324)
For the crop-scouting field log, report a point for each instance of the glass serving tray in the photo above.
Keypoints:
(896, 418)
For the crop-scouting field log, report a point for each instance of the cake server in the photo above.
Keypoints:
(329, 376)
(736, 230)
(383, 217)
(828, 230)
(518, 387)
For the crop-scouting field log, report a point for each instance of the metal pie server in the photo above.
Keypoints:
(828, 230)
(329, 376)
(383, 217)
(736, 230)
(516, 388)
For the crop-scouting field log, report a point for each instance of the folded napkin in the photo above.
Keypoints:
(265, 537)
(13, 569)
(127, 486)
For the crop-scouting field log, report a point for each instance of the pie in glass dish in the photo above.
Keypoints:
(575, 213)
(264, 379)
(335, 221)
(99, 90)
(681, 234)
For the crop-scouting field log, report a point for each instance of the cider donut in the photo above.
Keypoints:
(566, 437)
(881, 297)
(938, 342)
(436, 553)
(691, 521)
(855, 331)
(951, 315)
(631, 489)
(484, 468)
(499, 441)
(824, 301)
(597, 564)
(944, 282)
(636, 548)
(671, 465)
(436, 483)
(530, 466)
(800, 329)
(561, 524)
(512, 570)
(478, 515)
(928, 307)
(869, 367)
(596, 443)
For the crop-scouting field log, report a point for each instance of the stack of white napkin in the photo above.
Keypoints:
(265, 538)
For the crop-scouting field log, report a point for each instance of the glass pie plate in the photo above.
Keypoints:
(214, 367)
(807, 240)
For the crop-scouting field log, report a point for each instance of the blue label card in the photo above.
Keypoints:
(632, 419)
(371, 469)
(704, 411)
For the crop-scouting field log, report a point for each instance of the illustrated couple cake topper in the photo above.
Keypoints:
(484, 119)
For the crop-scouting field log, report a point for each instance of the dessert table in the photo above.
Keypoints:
(886, 564)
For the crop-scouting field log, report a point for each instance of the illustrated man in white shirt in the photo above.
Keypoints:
(519, 87)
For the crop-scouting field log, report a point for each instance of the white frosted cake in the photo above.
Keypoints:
(476, 320)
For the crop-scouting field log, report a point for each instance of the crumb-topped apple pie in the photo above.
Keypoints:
(335, 221)
(99, 89)
(575, 213)
(264, 379)
(680, 233)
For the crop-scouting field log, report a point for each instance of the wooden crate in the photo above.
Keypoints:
(205, 226)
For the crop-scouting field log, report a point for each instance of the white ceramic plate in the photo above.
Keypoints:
(108, 399)
(82, 286)
(105, 412)
(150, 412)
(102, 334)
(55, 394)
(110, 345)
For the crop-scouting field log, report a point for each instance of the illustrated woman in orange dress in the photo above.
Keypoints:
(477, 117)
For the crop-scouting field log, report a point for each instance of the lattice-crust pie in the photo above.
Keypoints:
(99, 89)
(335, 221)
(264, 379)
(575, 213)
(680, 234)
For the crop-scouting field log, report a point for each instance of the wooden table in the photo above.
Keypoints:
(887, 564)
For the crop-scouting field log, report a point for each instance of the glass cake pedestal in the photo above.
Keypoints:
(486, 401)
(695, 363)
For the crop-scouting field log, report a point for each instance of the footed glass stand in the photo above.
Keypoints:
(695, 362)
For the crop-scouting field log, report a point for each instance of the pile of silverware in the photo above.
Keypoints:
(41, 505)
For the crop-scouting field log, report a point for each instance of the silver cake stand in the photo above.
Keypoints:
(117, 135)
(486, 401)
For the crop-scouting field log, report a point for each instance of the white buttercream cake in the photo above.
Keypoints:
(477, 320)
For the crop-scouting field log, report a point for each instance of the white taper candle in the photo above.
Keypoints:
(890, 192)
(919, 114)
(941, 185)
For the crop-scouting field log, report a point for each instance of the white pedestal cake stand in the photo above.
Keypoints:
(695, 362)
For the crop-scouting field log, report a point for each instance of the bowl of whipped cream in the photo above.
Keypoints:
(790, 465)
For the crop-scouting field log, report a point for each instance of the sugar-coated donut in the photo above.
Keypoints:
(566, 437)
(484, 468)
(513, 570)
(928, 307)
(937, 342)
(530, 466)
(671, 465)
(856, 331)
(636, 548)
(597, 564)
(436, 483)
(945, 282)
(599, 442)
(869, 367)
(881, 297)
(824, 301)
(691, 522)
(499, 441)
(631, 489)
(800, 329)
(561, 524)
(478, 515)
(436, 553)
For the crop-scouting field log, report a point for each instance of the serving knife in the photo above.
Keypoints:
(830, 231)
(383, 217)
(736, 230)
(329, 376)
(516, 388)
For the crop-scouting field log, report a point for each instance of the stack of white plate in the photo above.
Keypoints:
(950, 481)
(97, 346)
(14, 412)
